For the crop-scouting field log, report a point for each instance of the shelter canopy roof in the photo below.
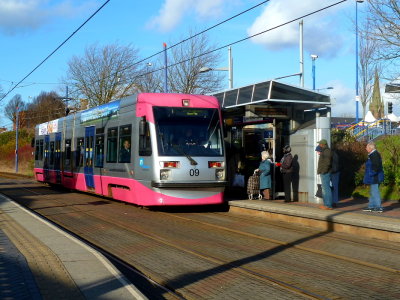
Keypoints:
(271, 91)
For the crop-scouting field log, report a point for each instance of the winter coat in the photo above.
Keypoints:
(325, 161)
(286, 163)
(265, 175)
(335, 162)
(373, 168)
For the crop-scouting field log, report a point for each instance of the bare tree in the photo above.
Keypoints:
(186, 60)
(384, 16)
(150, 81)
(45, 107)
(15, 104)
(104, 73)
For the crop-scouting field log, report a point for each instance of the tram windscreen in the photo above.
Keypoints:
(188, 131)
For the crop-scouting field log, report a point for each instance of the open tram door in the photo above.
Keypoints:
(89, 149)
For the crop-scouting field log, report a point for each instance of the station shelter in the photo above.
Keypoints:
(268, 116)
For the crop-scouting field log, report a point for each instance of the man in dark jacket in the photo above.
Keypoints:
(324, 170)
(373, 176)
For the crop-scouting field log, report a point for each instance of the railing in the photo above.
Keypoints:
(370, 131)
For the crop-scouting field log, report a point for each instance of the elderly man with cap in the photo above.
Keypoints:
(324, 170)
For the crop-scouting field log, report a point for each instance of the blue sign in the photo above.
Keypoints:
(108, 110)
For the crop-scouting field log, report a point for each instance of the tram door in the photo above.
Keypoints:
(46, 172)
(89, 149)
(57, 157)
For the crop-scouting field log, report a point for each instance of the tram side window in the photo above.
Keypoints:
(99, 151)
(79, 152)
(37, 150)
(51, 153)
(112, 145)
(40, 155)
(145, 142)
(125, 144)
(67, 161)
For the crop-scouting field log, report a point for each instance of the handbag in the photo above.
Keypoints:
(319, 191)
(238, 180)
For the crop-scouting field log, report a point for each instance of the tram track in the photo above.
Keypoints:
(315, 251)
(289, 287)
(211, 258)
(128, 269)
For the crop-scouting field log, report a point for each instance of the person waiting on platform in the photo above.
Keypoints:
(125, 152)
(265, 175)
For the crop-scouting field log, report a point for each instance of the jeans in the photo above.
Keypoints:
(374, 196)
(335, 185)
(326, 189)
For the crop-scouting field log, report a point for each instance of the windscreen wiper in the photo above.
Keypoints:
(179, 149)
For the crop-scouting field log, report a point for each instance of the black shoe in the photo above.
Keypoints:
(334, 205)
(367, 209)
(378, 210)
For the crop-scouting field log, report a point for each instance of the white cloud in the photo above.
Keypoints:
(173, 11)
(25, 15)
(343, 100)
(320, 34)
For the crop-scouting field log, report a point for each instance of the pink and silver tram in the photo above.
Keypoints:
(148, 149)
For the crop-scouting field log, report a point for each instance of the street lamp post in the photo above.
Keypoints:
(16, 139)
(313, 57)
(229, 69)
(357, 95)
(327, 88)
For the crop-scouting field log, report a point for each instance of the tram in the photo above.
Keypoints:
(148, 149)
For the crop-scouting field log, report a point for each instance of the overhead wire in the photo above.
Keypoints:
(197, 34)
(144, 59)
(242, 40)
(55, 50)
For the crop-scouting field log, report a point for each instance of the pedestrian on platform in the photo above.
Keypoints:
(324, 170)
(265, 169)
(373, 177)
(286, 170)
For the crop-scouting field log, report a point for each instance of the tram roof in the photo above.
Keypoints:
(271, 91)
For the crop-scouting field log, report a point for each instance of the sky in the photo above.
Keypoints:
(31, 29)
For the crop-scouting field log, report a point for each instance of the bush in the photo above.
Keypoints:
(7, 151)
(352, 156)
(389, 147)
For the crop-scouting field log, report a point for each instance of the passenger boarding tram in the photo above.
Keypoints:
(148, 149)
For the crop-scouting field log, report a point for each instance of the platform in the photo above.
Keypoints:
(347, 217)
(39, 261)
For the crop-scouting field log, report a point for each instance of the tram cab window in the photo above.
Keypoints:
(145, 142)
(79, 152)
(51, 153)
(125, 144)
(40, 154)
(112, 145)
(99, 148)
(67, 158)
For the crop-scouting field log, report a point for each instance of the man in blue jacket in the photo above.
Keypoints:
(373, 176)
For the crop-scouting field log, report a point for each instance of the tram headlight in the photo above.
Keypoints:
(220, 174)
(165, 174)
